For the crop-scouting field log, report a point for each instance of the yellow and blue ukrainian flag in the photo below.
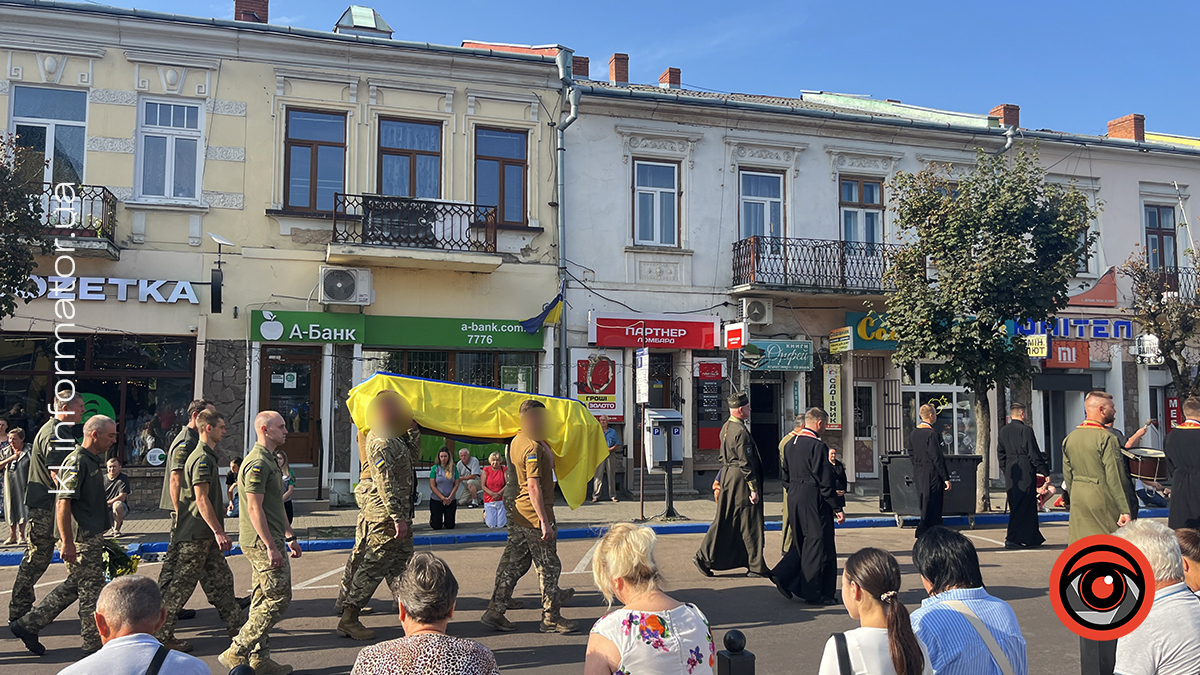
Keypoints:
(551, 313)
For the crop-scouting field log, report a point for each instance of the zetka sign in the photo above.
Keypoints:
(661, 331)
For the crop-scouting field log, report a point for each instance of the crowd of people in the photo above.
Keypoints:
(128, 625)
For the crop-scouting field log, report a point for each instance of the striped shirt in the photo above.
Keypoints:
(955, 648)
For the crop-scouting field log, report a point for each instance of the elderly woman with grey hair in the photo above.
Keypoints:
(1167, 641)
(428, 591)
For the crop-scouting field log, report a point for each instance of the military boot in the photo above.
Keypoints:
(231, 659)
(352, 628)
(557, 624)
(496, 621)
(565, 595)
(269, 667)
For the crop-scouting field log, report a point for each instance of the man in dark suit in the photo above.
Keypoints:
(1021, 462)
(929, 469)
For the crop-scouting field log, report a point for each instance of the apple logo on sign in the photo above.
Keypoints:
(272, 328)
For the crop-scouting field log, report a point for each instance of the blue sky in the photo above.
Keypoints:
(1070, 65)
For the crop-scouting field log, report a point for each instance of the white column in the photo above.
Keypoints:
(326, 458)
(1036, 408)
(1115, 383)
(685, 372)
(201, 340)
(848, 417)
(356, 375)
(1143, 391)
(253, 378)
(548, 369)
(993, 442)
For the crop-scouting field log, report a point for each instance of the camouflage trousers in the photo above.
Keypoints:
(38, 552)
(272, 594)
(85, 578)
(525, 546)
(354, 561)
(200, 561)
(384, 557)
(171, 562)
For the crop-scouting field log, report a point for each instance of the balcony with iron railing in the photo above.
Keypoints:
(82, 217)
(1180, 282)
(390, 231)
(811, 265)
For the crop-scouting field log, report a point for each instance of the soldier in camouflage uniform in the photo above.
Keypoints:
(385, 502)
(177, 455)
(82, 517)
(533, 537)
(263, 531)
(200, 535)
(53, 442)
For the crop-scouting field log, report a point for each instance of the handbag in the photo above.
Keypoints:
(843, 654)
(994, 647)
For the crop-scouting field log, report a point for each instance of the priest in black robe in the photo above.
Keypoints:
(1183, 464)
(735, 538)
(930, 476)
(1021, 462)
(809, 569)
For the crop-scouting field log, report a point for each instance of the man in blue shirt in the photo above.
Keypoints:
(950, 619)
(613, 440)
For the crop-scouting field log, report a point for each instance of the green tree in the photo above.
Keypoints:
(997, 244)
(1164, 304)
(22, 234)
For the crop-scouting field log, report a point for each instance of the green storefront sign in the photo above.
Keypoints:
(390, 331)
(777, 355)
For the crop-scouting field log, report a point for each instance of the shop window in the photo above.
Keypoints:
(477, 368)
(410, 159)
(145, 384)
(429, 365)
(500, 173)
(956, 409)
(170, 150)
(314, 159)
(516, 371)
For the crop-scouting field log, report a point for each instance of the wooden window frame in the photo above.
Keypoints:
(861, 206)
(678, 167)
(782, 175)
(504, 162)
(1160, 231)
(410, 154)
(313, 146)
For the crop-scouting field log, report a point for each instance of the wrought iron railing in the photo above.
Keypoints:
(818, 264)
(1181, 281)
(82, 211)
(404, 222)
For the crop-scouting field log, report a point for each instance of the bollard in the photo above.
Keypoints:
(734, 659)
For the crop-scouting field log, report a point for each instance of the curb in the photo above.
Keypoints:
(13, 558)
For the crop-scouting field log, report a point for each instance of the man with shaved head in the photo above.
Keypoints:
(263, 532)
(82, 517)
(1092, 472)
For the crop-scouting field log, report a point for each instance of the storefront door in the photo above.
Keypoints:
(764, 425)
(866, 430)
(291, 385)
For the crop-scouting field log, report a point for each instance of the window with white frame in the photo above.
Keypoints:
(170, 145)
(761, 198)
(862, 211)
(50, 124)
(656, 202)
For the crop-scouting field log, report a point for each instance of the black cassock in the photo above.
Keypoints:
(1021, 460)
(1183, 462)
(735, 538)
(809, 569)
(929, 475)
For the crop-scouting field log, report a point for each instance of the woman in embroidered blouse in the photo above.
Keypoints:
(653, 634)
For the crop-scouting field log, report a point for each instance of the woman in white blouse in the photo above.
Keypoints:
(653, 634)
(885, 643)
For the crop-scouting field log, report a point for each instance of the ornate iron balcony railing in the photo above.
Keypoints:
(404, 222)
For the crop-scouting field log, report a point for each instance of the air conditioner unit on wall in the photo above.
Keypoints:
(757, 310)
(345, 286)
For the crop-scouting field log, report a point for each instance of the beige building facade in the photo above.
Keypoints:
(369, 203)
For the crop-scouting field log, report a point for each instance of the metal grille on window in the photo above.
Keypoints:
(476, 368)
(429, 365)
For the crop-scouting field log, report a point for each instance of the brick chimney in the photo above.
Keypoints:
(669, 79)
(1009, 114)
(618, 69)
(1131, 127)
(579, 67)
(250, 10)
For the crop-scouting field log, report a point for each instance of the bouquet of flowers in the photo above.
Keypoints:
(117, 562)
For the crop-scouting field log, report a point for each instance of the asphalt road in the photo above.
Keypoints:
(786, 637)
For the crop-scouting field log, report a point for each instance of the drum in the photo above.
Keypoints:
(1147, 463)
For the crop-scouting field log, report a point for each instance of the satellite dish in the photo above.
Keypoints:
(222, 241)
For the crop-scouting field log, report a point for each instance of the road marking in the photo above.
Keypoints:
(586, 560)
(990, 541)
(310, 582)
(317, 588)
(41, 585)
